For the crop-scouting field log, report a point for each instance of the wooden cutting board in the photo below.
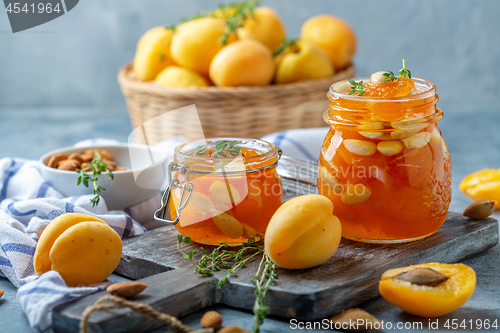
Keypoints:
(347, 279)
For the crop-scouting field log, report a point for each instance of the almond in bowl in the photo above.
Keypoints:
(132, 183)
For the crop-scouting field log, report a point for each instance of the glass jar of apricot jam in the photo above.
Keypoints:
(222, 190)
(384, 163)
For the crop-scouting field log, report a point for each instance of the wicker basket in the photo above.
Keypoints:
(233, 112)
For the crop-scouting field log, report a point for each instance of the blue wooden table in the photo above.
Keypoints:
(472, 134)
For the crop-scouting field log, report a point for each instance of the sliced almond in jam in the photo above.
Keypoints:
(201, 203)
(360, 147)
(225, 192)
(228, 225)
(389, 148)
(330, 180)
(418, 140)
(355, 194)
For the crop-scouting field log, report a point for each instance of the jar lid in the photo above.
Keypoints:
(264, 154)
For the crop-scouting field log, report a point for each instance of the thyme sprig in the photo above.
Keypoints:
(262, 281)
(391, 77)
(404, 72)
(221, 148)
(242, 10)
(356, 87)
(220, 258)
(284, 45)
(97, 166)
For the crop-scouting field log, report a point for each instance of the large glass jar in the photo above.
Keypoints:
(226, 197)
(385, 164)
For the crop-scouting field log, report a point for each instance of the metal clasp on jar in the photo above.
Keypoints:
(187, 191)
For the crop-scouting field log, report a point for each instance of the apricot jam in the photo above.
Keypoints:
(384, 163)
(235, 190)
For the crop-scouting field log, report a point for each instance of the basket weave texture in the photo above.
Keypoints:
(230, 111)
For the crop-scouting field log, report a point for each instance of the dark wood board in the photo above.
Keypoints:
(347, 279)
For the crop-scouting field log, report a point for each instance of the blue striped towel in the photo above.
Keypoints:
(27, 205)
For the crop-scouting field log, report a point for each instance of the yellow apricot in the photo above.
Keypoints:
(304, 61)
(153, 53)
(265, 26)
(86, 253)
(243, 63)
(195, 43)
(429, 299)
(334, 36)
(52, 231)
(303, 232)
(175, 76)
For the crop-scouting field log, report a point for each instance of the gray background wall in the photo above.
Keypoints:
(74, 60)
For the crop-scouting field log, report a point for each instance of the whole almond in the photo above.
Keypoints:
(85, 166)
(353, 315)
(211, 319)
(75, 156)
(480, 209)
(87, 155)
(232, 329)
(55, 159)
(126, 289)
(106, 155)
(68, 165)
(1, 293)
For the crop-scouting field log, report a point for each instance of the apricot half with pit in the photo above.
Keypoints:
(303, 232)
(82, 248)
(428, 290)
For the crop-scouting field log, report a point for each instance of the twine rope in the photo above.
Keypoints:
(115, 302)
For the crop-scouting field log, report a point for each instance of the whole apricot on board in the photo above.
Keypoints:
(334, 36)
(303, 61)
(483, 184)
(153, 53)
(265, 26)
(428, 290)
(82, 248)
(195, 43)
(175, 76)
(303, 232)
(243, 63)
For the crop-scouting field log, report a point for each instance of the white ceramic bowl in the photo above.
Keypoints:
(121, 192)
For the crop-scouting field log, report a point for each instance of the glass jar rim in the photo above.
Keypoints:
(268, 153)
(429, 89)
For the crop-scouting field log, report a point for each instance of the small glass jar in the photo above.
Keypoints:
(222, 198)
(385, 164)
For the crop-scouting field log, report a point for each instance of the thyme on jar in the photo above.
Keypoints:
(221, 148)
(356, 87)
(403, 72)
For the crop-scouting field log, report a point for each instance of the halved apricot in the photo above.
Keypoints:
(428, 290)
